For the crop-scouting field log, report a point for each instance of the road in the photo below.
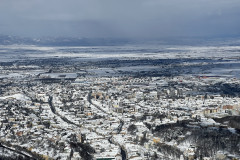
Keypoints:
(12, 149)
(118, 129)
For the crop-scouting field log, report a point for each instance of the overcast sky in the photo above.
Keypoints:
(120, 18)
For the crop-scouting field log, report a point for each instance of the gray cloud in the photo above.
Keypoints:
(120, 18)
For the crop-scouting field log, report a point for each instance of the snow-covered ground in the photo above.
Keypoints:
(17, 96)
(18, 52)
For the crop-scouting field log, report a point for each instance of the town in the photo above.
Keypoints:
(57, 109)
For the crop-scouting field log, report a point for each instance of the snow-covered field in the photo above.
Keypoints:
(18, 52)
(17, 96)
(218, 60)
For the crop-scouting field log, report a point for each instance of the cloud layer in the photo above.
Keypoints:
(120, 18)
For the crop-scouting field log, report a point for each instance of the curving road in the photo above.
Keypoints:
(119, 128)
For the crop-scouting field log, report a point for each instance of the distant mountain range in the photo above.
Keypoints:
(60, 41)
(71, 41)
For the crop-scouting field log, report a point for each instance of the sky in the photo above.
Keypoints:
(120, 18)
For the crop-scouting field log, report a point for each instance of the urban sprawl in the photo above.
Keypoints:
(62, 111)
